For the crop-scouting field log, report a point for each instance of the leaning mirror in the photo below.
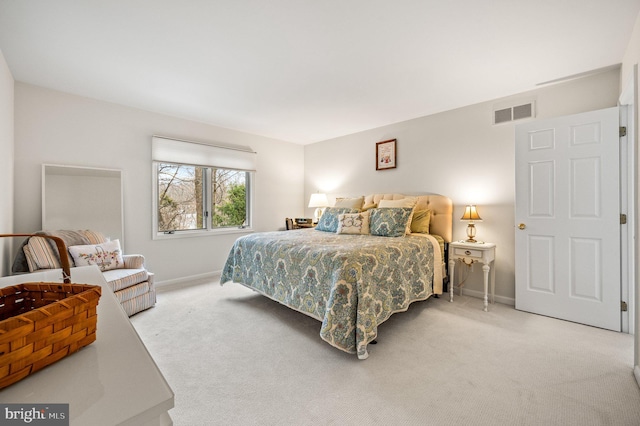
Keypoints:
(82, 198)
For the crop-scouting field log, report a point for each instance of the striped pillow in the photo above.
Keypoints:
(31, 263)
(42, 254)
(94, 237)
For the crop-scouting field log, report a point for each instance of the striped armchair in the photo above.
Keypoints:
(127, 276)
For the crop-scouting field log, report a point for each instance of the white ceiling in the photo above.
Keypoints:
(305, 71)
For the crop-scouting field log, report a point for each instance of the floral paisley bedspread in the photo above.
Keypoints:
(352, 283)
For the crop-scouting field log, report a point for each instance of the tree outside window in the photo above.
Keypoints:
(200, 198)
(229, 197)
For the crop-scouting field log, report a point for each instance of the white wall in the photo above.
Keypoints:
(631, 56)
(6, 163)
(457, 153)
(58, 128)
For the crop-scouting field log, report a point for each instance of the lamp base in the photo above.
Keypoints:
(471, 233)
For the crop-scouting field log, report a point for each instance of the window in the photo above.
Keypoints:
(200, 198)
(229, 198)
(181, 204)
(193, 199)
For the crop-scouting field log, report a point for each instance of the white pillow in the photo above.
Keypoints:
(405, 202)
(350, 203)
(369, 206)
(106, 255)
(353, 223)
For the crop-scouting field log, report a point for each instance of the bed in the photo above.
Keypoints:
(350, 281)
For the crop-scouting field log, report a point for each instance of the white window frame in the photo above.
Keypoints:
(164, 148)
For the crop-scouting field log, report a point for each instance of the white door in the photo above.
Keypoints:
(568, 218)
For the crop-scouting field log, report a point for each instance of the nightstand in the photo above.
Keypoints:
(303, 225)
(298, 223)
(470, 253)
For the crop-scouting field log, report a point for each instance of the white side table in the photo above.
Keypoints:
(470, 253)
(113, 381)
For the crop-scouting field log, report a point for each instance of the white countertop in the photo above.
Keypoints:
(112, 381)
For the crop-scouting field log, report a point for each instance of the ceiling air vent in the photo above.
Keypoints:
(512, 113)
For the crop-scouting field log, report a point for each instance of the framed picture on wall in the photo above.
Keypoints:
(386, 155)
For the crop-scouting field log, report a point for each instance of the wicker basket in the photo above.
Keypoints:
(40, 323)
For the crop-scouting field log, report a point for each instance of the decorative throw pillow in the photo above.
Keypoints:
(31, 262)
(329, 220)
(369, 206)
(353, 223)
(404, 202)
(390, 221)
(42, 255)
(106, 255)
(94, 237)
(350, 203)
(420, 221)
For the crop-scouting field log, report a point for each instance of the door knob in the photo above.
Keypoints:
(522, 226)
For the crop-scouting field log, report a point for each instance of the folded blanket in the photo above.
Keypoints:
(70, 238)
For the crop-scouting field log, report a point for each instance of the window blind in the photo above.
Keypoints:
(199, 154)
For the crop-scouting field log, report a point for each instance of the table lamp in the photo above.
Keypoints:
(319, 201)
(471, 215)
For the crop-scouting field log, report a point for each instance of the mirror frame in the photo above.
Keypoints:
(103, 192)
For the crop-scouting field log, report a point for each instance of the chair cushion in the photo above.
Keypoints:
(133, 291)
(123, 278)
(140, 303)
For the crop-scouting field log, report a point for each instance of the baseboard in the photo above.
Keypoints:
(185, 281)
(636, 372)
(209, 276)
(480, 295)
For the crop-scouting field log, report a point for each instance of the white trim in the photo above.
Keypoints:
(202, 233)
(480, 295)
(71, 170)
(626, 240)
(209, 231)
(628, 205)
(631, 92)
(186, 281)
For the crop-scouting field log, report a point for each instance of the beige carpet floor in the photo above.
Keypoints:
(234, 357)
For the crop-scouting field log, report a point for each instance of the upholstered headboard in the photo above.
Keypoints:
(441, 210)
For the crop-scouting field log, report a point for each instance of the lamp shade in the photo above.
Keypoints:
(318, 200)
(471, 214)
